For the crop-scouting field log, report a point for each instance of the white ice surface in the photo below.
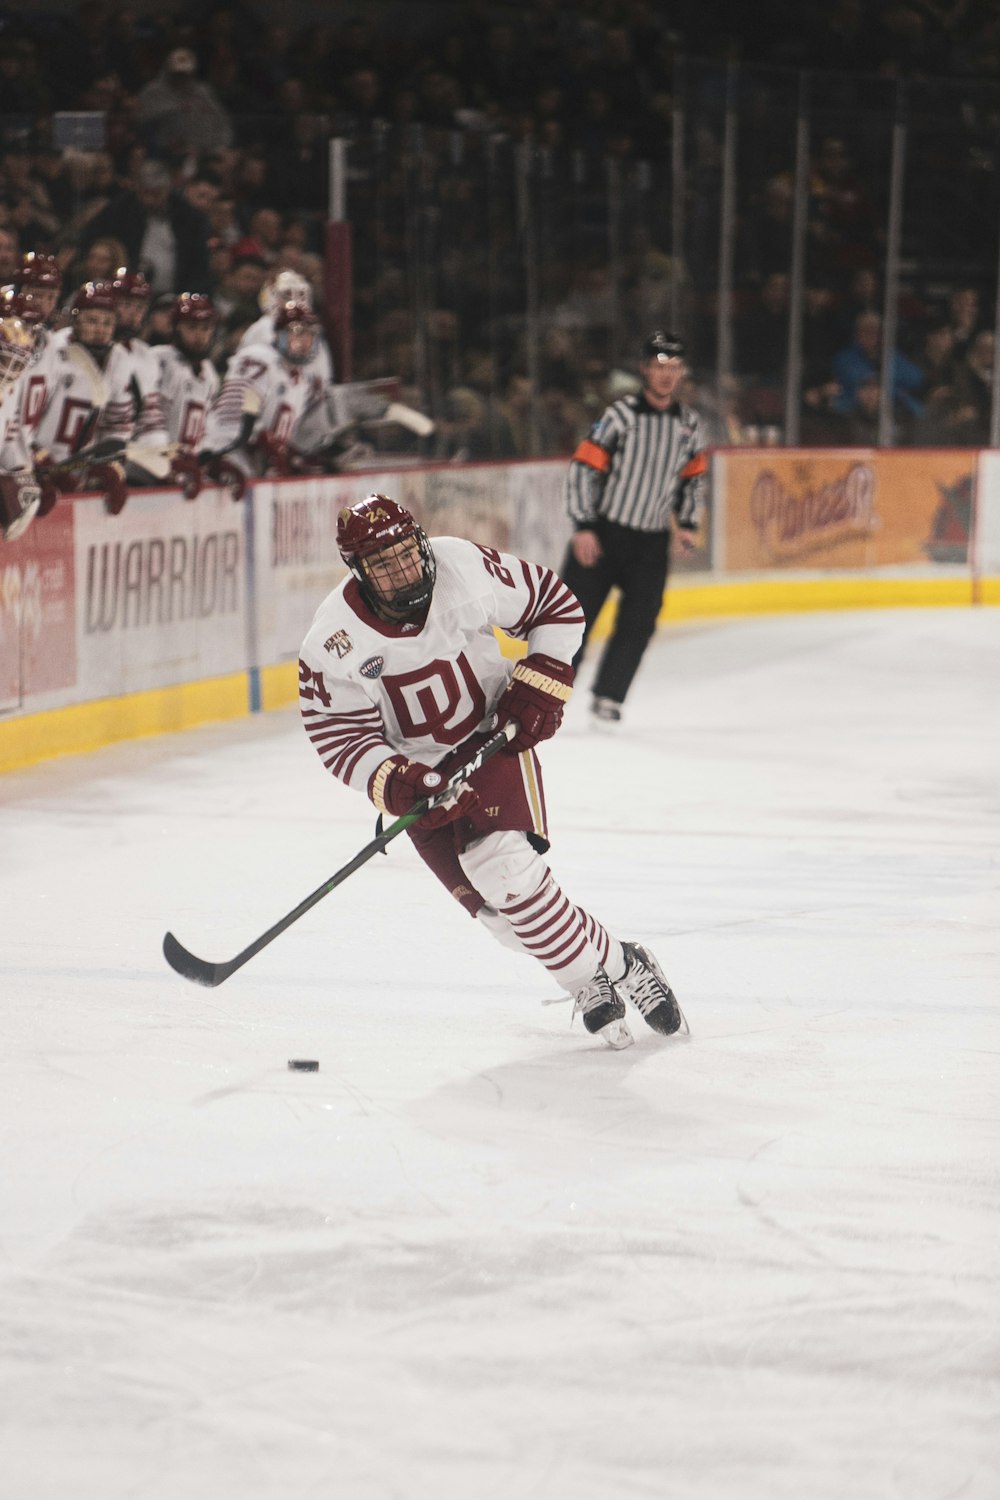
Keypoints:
(478, 1256)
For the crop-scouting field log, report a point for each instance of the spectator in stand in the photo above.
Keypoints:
(843, 231)
(177, 116)
(936, 359)
(99, 263)
(10, 254)
(964, 317)
(762, 351)
(861, 362)
(31, 209)
(163, 235)
(960, 414)
(237, 297)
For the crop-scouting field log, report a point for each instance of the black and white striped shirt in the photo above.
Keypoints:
(636, 466)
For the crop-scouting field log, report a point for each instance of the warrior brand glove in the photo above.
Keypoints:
(185, 471)
(535, 698)
(398, 785)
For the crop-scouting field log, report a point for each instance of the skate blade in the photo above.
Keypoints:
(617, 1035)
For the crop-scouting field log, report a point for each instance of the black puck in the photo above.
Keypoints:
(303, 1065)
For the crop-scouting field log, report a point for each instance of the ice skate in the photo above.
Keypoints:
(603, 1011)
(605, 713)
(645, 985)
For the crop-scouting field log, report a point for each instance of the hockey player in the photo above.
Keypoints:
(264, 394)
(187, 379)
(401, 677)
(79, 387)
(20, 494)
(289, 286)
(144, 420)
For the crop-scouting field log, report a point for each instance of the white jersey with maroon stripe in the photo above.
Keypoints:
(186, 393)
(368, 689)
(85, 402)
(141, 416)
(282, 391)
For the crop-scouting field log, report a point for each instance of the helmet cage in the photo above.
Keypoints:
(368, 534)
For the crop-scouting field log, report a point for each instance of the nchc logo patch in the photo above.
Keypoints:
(340, 642)
(373, 666)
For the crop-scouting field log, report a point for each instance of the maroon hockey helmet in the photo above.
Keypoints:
(20, 303)
(371, 527)
(193, 308)
(93, 296)
(37, 269)
(131, 285)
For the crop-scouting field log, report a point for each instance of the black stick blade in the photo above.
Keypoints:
(190, 967)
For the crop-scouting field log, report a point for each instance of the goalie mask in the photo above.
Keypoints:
(287, 286)
(17, 343)
(390, 556)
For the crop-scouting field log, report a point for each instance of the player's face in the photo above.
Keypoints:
(661, 377)
(95, 325)
(131, 312)
(46, 299)
(300, 343)
(393, 572)
(195, 338)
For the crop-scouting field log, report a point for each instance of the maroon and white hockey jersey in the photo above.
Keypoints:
(368, 689)
(186, 394)
(83, 402)
(282, 391)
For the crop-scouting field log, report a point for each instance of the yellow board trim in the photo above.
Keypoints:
(90, 726)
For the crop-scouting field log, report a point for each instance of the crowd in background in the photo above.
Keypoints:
(194, 147)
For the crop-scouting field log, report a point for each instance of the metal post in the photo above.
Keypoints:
(995, 404)
(338, 265)
(890, 316)
(679, 189)
(727, 240)
(527, 227)
(800, 210)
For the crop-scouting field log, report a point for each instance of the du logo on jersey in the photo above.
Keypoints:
(442, 700)
(372, 668)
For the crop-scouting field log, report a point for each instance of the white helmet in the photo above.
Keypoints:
(287, 286)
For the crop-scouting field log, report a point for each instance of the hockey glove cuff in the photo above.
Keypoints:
(535, 698)
(398, 785)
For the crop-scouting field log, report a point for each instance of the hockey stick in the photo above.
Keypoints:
(201, 971)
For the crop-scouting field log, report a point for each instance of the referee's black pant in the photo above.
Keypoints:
(637, 563)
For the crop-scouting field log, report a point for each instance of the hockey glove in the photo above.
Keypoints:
(110, 480)
(185, 471)
(535, 698)
(398, 785)
(273, 454)
(229, 475)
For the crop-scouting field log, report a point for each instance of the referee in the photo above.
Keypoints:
(637, 477)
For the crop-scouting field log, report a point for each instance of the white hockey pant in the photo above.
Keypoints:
(525, 897)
